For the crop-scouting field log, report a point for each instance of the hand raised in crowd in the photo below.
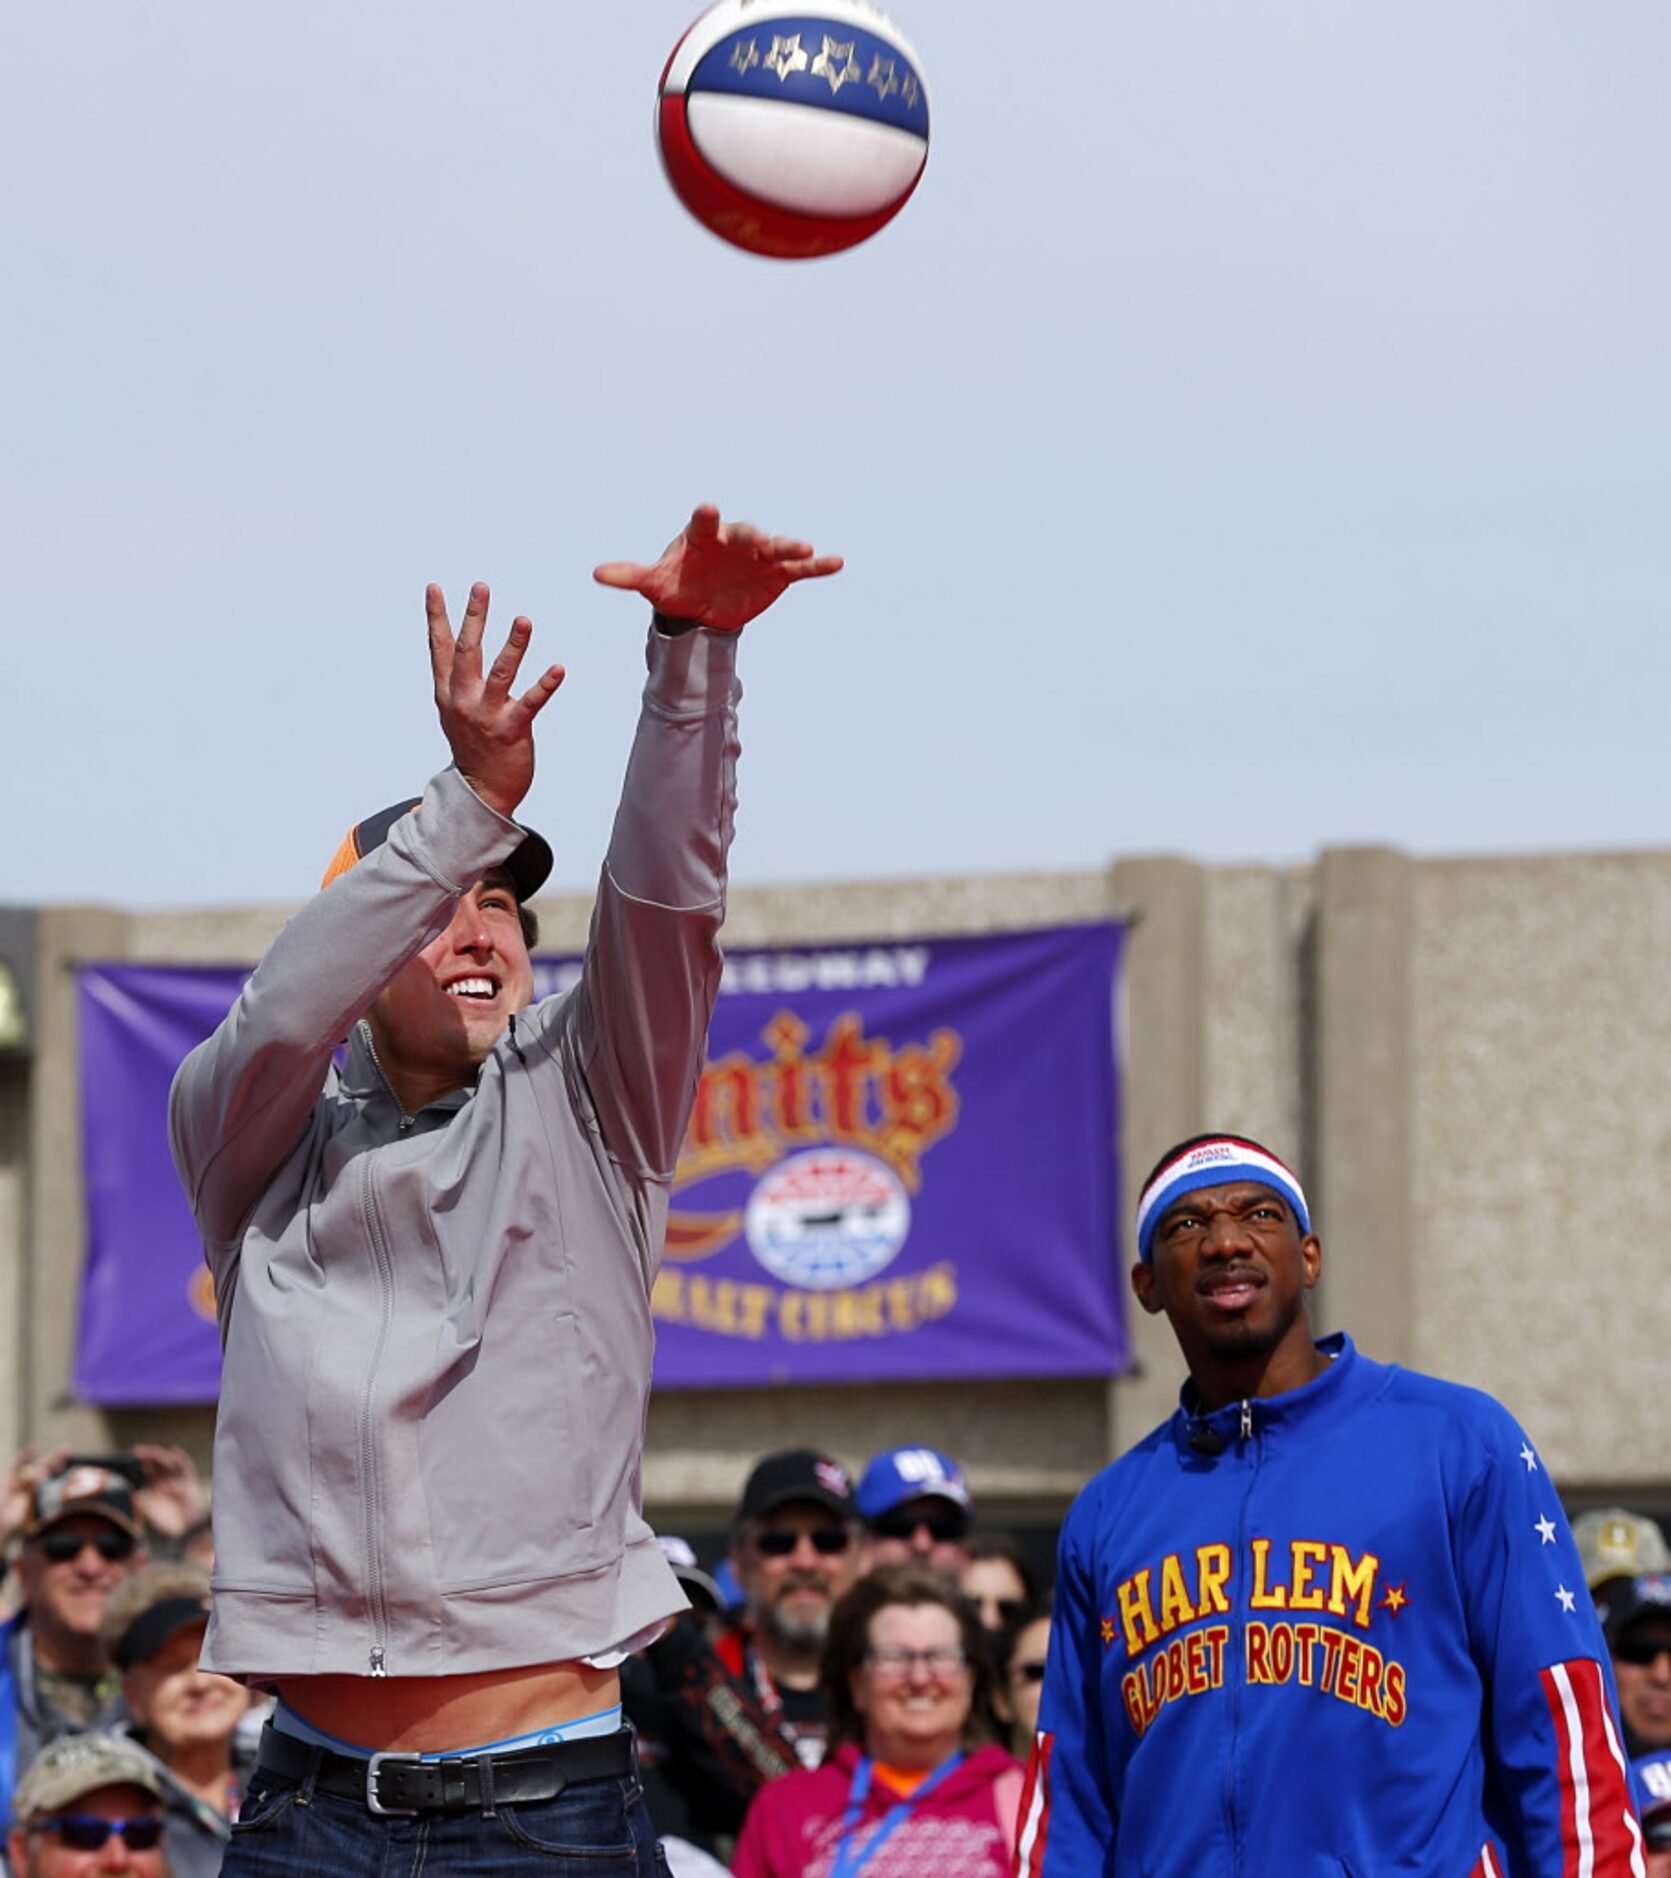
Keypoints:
(17, 1501)
(172, 1500)
(490, 732)
(719, 574)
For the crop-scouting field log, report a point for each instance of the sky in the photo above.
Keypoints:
(1254, 435)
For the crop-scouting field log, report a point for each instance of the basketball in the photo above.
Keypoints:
(793, 131)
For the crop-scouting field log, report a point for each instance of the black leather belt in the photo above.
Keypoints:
(402, 1785)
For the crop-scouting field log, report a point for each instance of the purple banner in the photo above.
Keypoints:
(901, 1167)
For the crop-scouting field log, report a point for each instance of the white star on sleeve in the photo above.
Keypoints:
(1528, 1457)
(1546, 1530)
(1567, 1601)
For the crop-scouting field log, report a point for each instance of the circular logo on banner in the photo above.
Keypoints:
(826, 1219)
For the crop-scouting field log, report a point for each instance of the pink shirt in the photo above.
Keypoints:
(963, 1828)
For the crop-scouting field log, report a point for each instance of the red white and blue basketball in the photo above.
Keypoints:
(793, 131)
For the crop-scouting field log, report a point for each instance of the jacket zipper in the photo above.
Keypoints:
(369, 1494)
(1238, 1670)
(370, 1497)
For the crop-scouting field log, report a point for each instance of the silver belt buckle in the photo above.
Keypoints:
(373, 1804)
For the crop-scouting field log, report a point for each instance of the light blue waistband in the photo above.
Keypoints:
(607, 1721)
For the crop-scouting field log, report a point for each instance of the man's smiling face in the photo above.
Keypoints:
(437, 1020)
(1230, 1269)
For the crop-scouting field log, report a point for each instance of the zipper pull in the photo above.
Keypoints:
(377, 1668)
(1247, 1421)
(406, 1122)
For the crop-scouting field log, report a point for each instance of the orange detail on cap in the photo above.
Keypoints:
(344, 858)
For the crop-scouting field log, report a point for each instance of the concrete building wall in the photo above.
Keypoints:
(1471, 1062)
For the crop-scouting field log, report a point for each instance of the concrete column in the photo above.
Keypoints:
(1362, 1185)
(14, 1243)
(56, 1208)
(1162, 1090)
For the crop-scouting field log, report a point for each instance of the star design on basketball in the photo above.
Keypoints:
(837, 64)
(744, 57)
(1395, 1600)
(1545, 1530)
(1528, 1457)
(1565, 1599)
(882, 75)
(1108, 1631)
(910, 90)
(787, 55)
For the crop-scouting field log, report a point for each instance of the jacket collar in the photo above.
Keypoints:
(1342, 1384)
(363, 1080)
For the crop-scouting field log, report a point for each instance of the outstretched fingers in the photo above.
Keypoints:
(440, 637)
(621, 574)
(502, 673)
(540, 693)
(815, 567)
(467, 648)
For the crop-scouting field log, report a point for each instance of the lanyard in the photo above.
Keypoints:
(851, 1857)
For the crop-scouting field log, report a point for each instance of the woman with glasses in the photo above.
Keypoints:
(908, 1784)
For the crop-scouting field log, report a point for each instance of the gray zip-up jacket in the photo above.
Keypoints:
(437, 1326)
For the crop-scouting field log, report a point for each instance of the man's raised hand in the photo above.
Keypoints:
(490, 732)
(719, 574)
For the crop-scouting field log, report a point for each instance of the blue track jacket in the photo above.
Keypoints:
(1341, 1631)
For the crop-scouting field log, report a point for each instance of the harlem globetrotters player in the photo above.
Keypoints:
(1329, 1618)
(433, 1271)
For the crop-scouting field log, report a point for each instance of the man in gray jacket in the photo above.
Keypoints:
(433, 1272)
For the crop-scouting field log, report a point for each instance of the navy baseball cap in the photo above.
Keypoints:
(900, 1474)
(528, 864)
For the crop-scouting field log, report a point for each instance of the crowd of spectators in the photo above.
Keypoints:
(860, 1640)
(117, 1753)
(864, 1662)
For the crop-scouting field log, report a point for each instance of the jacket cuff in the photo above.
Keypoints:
(454, 836)
(693, 673)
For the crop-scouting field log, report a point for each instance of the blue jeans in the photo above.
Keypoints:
(287, 1830)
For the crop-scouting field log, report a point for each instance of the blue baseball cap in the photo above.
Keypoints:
(900, 1474)
(1650, 1788)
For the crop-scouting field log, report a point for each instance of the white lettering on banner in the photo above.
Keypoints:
(867, 969)
(876, 967)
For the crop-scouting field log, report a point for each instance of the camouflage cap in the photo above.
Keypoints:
(83, 1488)
(73, 1766)
(1614, 1543)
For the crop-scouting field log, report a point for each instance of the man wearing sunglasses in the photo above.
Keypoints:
(917, 1511)
(89, 1805)
(81, 1539)
(742, 1710)
(1636, 1620)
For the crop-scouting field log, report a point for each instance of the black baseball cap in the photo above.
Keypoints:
(1621, 1601)
(797, 1474)
(154, 1625)
(528, 865)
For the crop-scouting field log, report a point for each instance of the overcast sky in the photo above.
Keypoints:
(1254, 435)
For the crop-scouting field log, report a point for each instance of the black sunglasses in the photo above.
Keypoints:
(59, 1546)
(780, 1541)
(1010, 1610)
(942, 1527)
(87, 1832)
(1641, 1651)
